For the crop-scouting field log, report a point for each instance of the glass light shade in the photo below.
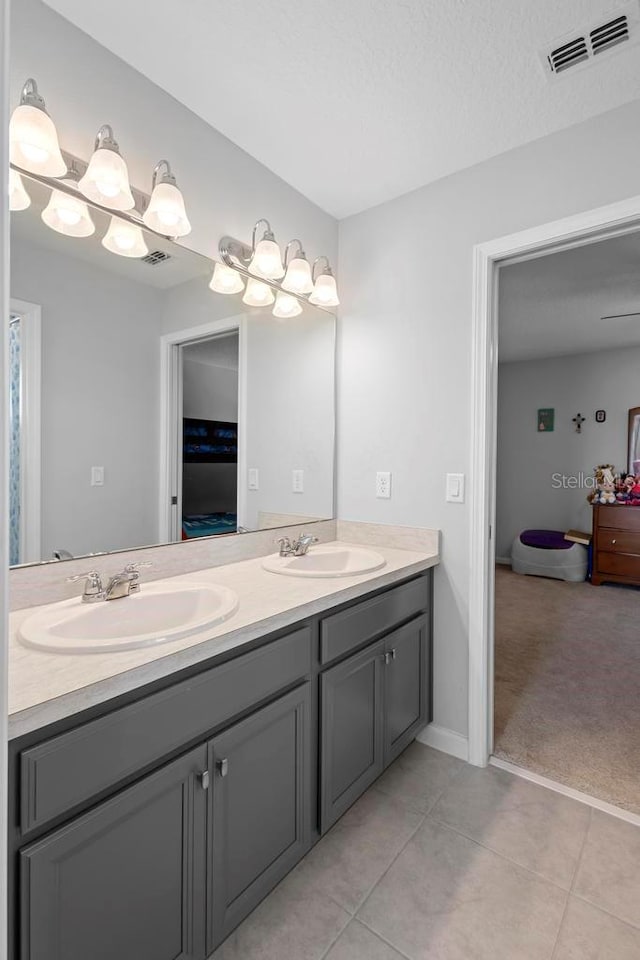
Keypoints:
(267, 260)
(106, 181)
(166, 213)
(258, 294)
(325, 293)
(125, 239)
(298, 276)
(33, 142)
(19, 199)
(226, 280)
(286, 306)
(68, 215)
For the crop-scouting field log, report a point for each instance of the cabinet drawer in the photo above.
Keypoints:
(69, 769)
(618, 541)
(621, 518)
(352, 628)
(618, 565)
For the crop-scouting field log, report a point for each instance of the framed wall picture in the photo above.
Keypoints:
(546, 418)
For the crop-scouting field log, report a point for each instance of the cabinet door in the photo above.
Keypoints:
(124, 881)
(351, 731)
(407, 686)
(259, 824)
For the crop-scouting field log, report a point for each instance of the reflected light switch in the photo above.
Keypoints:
(455, 487)
(253, 478)
(97, 476)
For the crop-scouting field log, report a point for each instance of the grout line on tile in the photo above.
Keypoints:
(614, 916)
(335, 939)
(383, 875)
(380, 937)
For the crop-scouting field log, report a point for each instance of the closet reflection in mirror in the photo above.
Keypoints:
(145, 408)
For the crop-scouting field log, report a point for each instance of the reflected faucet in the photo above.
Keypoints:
(296, 548)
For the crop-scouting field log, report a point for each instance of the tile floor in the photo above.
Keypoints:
(443, 861)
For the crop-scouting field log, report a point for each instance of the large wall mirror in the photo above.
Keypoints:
(145, 408)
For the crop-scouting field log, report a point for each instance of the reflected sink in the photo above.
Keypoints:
(158, 614)
(326, 560)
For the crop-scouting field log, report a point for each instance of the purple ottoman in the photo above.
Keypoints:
(545, 553)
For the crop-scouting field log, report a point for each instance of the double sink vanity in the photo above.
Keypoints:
(160, 788)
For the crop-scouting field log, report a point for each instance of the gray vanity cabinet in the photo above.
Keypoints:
(259, 815)
(352, 746)
(407, 683)
(125, 880)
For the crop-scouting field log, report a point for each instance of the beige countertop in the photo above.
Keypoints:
(46, 687)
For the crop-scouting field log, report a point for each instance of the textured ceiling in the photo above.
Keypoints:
(553, 306)
(354, 102)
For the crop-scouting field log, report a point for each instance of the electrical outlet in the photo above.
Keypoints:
(297, 481)
(254, 483)
(97, 476)
(383, 485)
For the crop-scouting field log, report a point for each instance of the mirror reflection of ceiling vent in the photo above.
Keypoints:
(586, 45)
(155, 257)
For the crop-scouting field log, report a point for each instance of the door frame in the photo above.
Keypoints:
(30, 428)
(577, 230)
(171, 413)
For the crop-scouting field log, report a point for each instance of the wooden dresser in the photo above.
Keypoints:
(616, 544)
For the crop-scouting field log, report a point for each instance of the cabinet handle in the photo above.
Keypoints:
(204, 779)
(389, 656)
(223, 767)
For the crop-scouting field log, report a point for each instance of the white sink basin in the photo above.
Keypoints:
(158, 614)
(326, 560)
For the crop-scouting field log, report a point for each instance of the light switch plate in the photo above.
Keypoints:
(97, 476)
(383, 485)
(455, 488)
(297, 481)
(254, 482)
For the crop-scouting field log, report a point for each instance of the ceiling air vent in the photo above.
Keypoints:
(588, 43)
(155, 257)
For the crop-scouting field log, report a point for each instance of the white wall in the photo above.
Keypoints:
(405, 342)
(100, 395)
(528, 495)
(85, 85)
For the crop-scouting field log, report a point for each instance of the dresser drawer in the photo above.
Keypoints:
(69, 769)
(621, 518)
(352, 628)
(618, 565)
(618, 541)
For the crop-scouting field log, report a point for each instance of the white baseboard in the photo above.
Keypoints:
(441, 738)
(566, 791)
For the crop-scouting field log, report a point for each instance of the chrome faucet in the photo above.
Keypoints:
(296, 548)
(122, 584)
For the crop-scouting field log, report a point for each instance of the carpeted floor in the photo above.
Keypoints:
(567, 683)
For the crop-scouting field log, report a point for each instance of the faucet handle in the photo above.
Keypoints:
(132, 567)
(93, 589)
(92, 576)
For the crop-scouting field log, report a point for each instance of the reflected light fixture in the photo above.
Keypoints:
(19, 199)
(125, 239)
(166, 213)
(325, 293)
(106, 180)
(226, 280)
(68, 215)
(298, 277)
(286, 306)
(266, 259)
(258, 294)
(33, 139)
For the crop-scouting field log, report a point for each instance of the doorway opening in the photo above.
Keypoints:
(490, 260)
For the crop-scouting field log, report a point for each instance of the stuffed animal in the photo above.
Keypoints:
(605, 491)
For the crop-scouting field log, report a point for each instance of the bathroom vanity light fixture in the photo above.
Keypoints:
(166, 213)
(226, 280)
(325, 293)
(298, 277)
(258, 294)
(125, 239)
(266, 259)
(33, 139)
(19, 199)
(106, 180)
(286, 306)
(68, 215)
